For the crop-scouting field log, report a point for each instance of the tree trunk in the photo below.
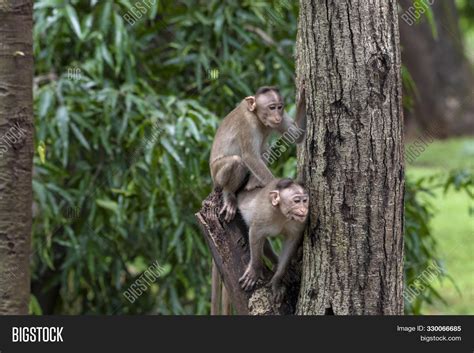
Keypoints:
(443, 75)
(348, 57)
(16, 153)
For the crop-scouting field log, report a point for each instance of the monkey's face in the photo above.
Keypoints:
(269, 109)
(293, 202)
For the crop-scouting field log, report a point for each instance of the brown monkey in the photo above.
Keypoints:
(281, 207)
(241, 139)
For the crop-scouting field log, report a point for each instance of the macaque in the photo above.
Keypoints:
(240, 141)
(281, 207)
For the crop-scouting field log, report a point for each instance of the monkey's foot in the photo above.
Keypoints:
(249, 278)
(229, 208)
(278, 289)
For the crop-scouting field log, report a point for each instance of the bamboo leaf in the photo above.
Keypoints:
(74, 20)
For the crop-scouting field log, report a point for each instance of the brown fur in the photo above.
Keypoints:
(241, 140)
(281, 207)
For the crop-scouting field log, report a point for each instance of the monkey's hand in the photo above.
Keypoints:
(278, 289)
(250, 278)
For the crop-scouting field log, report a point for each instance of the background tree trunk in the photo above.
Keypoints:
(348, 55)
(440, 69)
(16, 153)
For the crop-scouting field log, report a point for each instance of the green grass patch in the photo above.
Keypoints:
(453, 225)
(440, 154)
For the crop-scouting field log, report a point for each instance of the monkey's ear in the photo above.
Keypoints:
(251, 103)
(275, 197)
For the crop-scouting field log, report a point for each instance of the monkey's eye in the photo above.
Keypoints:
(297, 200)
(272, 107)
(280, 107)
(305, 200)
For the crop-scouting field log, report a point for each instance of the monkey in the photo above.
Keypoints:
(281, 207)
(236, 153)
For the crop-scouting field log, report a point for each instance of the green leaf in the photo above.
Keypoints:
(45, 100)
(34, 308)
(74, 20)
(105, 16)
(123, 192)
(41, 149)
(62, 120)
(108, 204)
(106, 55)
(193, 128)
(172, 208)
(428, 12)
(80, 136)
(167, 145)
(118, 41)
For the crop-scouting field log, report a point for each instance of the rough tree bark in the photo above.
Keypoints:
(16, 153)
(440, 69)
(348, 55)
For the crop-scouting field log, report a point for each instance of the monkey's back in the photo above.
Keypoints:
(255, 206)
(226, 140)
(246, 202)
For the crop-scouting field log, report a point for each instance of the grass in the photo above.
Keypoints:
(453, 224)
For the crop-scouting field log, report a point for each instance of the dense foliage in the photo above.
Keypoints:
(126, 109)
